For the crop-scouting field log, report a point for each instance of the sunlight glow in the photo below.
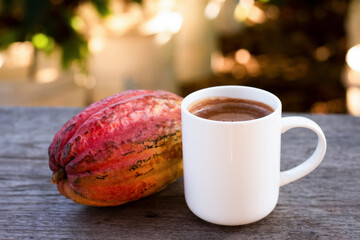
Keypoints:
(2, 59)
(257, 15)
(162, 38)
(242, 56)
(243, 9)
(96, 44)
(46, 75)
(20, 54)
(353, 100)
(164, 22)
(353, 58)
(213, 8)
(123, 21)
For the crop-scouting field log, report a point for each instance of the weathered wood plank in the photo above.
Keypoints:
(323, 205)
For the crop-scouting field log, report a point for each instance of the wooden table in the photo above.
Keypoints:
(323, 205)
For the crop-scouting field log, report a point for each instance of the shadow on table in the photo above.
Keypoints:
(164, 215)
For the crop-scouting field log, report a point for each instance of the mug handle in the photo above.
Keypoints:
(314, 160)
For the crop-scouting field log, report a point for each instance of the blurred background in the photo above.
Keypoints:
(72, 53)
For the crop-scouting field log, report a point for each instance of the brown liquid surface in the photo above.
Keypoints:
(230, 109)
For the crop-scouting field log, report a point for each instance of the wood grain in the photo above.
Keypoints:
(323, 205)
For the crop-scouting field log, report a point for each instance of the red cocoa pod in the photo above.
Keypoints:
(119, 149)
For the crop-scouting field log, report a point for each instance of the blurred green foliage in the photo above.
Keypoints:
(46, 23)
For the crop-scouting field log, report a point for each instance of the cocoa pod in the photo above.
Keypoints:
(119, 149)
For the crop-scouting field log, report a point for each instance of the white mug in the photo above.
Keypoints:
(232, 169)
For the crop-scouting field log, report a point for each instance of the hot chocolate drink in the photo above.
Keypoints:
(230, 109)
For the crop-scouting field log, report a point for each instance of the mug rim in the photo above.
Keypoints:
(186, 102)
